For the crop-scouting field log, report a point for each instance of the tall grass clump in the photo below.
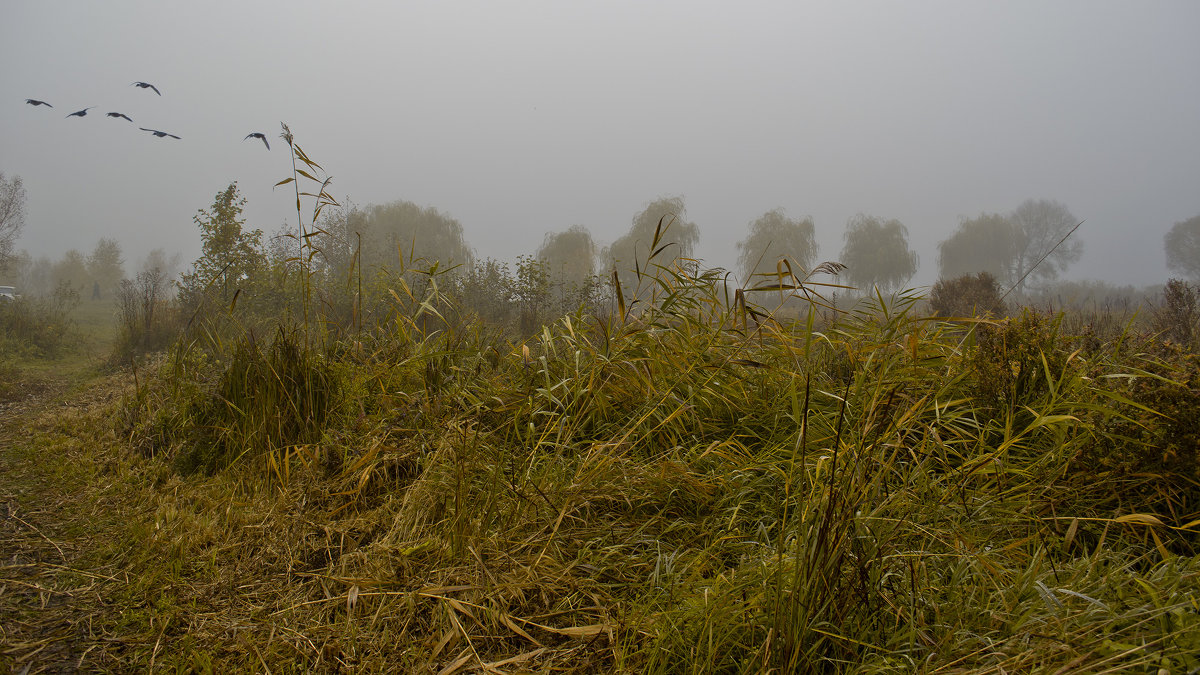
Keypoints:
(270, 399)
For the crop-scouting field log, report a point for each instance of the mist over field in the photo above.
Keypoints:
(519, 119)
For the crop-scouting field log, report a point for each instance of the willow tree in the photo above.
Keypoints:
(876, 253)
(632, 252)
(106, 266)
(568, 258)
(773, 238)
(403, 232)
(12, 216)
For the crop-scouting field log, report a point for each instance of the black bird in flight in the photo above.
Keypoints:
(34, 102)
(158, 133)
(81, 113)
(121, 115)
(146, 85)
(259, 136)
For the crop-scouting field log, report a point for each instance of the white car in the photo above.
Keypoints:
(7, 293)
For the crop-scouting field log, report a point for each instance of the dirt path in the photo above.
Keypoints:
(51, 589)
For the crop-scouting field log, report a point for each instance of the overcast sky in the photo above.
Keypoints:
(519, 118)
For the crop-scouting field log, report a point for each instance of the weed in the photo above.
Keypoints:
(1178, 319)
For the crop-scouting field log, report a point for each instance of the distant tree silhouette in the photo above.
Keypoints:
(1183, 248)
(774, 236)
(632, 249)
(988, 243)
(12, 216)
(876, 253)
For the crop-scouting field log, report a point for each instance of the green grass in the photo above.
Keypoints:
(85, 339)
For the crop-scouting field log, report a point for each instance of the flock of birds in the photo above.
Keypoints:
(158, 134)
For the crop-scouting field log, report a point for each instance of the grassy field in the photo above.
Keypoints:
(697, 488)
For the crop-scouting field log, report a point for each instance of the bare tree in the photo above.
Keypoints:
(1045, 224)
(12, 216)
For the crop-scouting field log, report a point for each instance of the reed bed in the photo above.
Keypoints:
(689, 484)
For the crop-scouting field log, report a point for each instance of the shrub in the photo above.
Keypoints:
(967, 296)
(39, 326)
(1178, 320)
(148, 321)
(1153, 443)
(1016, 360)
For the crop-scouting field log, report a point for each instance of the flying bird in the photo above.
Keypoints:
(121, 115)
(146, 85)
(34, 102)
(259, 136)
(81, 113)
(158, 133)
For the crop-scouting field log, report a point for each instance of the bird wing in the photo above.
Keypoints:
(259, 136)
(155, 89)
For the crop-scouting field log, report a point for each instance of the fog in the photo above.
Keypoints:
(520, 118)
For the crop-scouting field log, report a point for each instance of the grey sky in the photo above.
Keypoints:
(519, 118)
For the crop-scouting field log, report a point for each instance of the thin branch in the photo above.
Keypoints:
(1039, 261)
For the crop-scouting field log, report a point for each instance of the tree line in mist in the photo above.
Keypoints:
(1028, 247)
